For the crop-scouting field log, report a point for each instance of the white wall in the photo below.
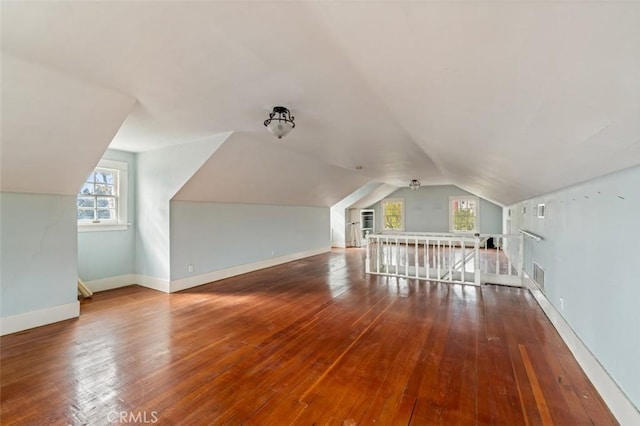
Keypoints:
(38, 252)
(54, 130)
(427, 210)
(338, 227)
(590, 252)
(339, 219)
(107, 254)
(216, 236)
(54, 127)
(161, 173)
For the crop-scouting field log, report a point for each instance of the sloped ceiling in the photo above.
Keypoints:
(249, 169)
(54, 128)
(503, 99)
(374, 196)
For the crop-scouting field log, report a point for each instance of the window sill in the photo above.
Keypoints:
(99, 227)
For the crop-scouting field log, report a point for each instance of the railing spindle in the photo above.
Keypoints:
(428, 262)
(476, 260)
(406, 257)
(438, 268)
(464, 259)
(451, 261)
(387, 257)
(367, 262)
(509, 265)
(497, 259)
(397, 262)
(416, 257)
(424, 261)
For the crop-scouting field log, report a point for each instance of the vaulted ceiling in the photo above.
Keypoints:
(504, 99)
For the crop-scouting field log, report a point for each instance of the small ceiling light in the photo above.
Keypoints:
(414, 184)
(280, 122)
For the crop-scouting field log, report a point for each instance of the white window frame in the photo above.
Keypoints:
(402, 216)
(122, 185)
(476, 222)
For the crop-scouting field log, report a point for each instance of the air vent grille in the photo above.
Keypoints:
(541, 210)
(538, 275)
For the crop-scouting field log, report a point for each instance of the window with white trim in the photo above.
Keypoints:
(102, 200)
(464, 214)
(393, 214)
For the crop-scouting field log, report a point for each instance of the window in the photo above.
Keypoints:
(102, 200)
(463, 214)
(541, 210)
(393, 214)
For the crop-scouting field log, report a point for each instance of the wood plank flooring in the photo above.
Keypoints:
(312, 342)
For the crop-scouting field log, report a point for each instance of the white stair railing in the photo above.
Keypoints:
(468, 259)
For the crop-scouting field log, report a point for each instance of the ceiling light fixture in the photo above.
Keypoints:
(414, 184)
(280, 122)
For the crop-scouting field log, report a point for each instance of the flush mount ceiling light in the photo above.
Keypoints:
(280, 121)
(414, 184)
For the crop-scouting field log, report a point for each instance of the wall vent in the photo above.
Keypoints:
(538, 275)
(541, 210)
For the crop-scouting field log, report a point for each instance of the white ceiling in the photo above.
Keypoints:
(374, 196)
(248, 168)
(46, 121)
(504, 99)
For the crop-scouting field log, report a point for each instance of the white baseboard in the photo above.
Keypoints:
(153, 283)
(619, 404)
(26, 320)
(125, 280)
(111, 282)
(196, 280)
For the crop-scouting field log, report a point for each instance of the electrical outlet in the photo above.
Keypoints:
(272, 252)
(561, 304)
(190, 268)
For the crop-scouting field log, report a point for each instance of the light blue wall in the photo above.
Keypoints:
(38, 252)
(161, 173)
(214, 236)
(427, 210)
(105, 254)
(591, 253)
(490, 217)
(339, 213)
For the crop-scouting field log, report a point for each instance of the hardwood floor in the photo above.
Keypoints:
(315, 341)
